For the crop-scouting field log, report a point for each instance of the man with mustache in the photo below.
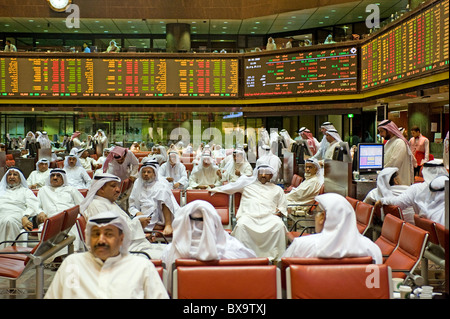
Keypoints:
(107, 270)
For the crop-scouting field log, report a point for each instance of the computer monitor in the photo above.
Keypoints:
(370, 158)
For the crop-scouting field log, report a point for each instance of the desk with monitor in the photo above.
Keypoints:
(369, 160)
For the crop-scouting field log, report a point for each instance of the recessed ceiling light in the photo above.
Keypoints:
(326, 17)
(30, 20)
(97, 21)
(257, 22)
(293, 17)
(333, 10)
(129, 21)
(6, 25)
(320, 22)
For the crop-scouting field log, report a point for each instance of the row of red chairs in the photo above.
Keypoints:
(303, 278)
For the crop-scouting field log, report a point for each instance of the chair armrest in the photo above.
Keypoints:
(18, 241)
(159, 233)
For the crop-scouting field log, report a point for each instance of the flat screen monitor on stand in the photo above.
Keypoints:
(370, 160)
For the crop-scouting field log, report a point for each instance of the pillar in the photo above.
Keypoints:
(178, 37)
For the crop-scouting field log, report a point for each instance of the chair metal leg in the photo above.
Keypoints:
(424, 270)
(40, 281)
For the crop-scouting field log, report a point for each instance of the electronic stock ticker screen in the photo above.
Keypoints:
(315, 72)
(67, 77)
(413, 48)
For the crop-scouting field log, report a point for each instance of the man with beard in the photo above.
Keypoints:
(17, 204)
(204, 175)
(152, 198)
(259, 225)
(397, 152)
(236, 168)
(305, 193)
(174, 172)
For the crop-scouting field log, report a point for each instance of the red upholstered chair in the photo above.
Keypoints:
(339, 282)
(394, 210)
(220, 201)
(286, 262)
(390, 234)
(429, 226)
(364, 215)
(81, 227)
(352, 201)
(185, 262)
(16, 261)
(433, 251)
(189, 166)
(411, 245)
(83, 191)
(227, 282)
(159, 267)
(177, 194)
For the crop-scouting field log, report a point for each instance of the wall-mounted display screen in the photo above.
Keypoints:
(418, 45)
(301, 73)
(108, 77)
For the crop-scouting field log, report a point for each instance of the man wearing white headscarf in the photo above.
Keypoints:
(236, 167)
(76, 174)
(107, 270)
(102, 196)
(397, 152)
(388, 184)
(153, 198)
(174, 172)
(259, 225)
(44, 141)
(287, 140)
(57, 196)
(88, 162)
(199, 234)
(333, 138)
(427, 198)
(37, 178)
(308, 189)
(159, 153)
(100, 142)
(323, 146)
(17, 204)
(337, 235)
(204, 175)
(268, 158)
